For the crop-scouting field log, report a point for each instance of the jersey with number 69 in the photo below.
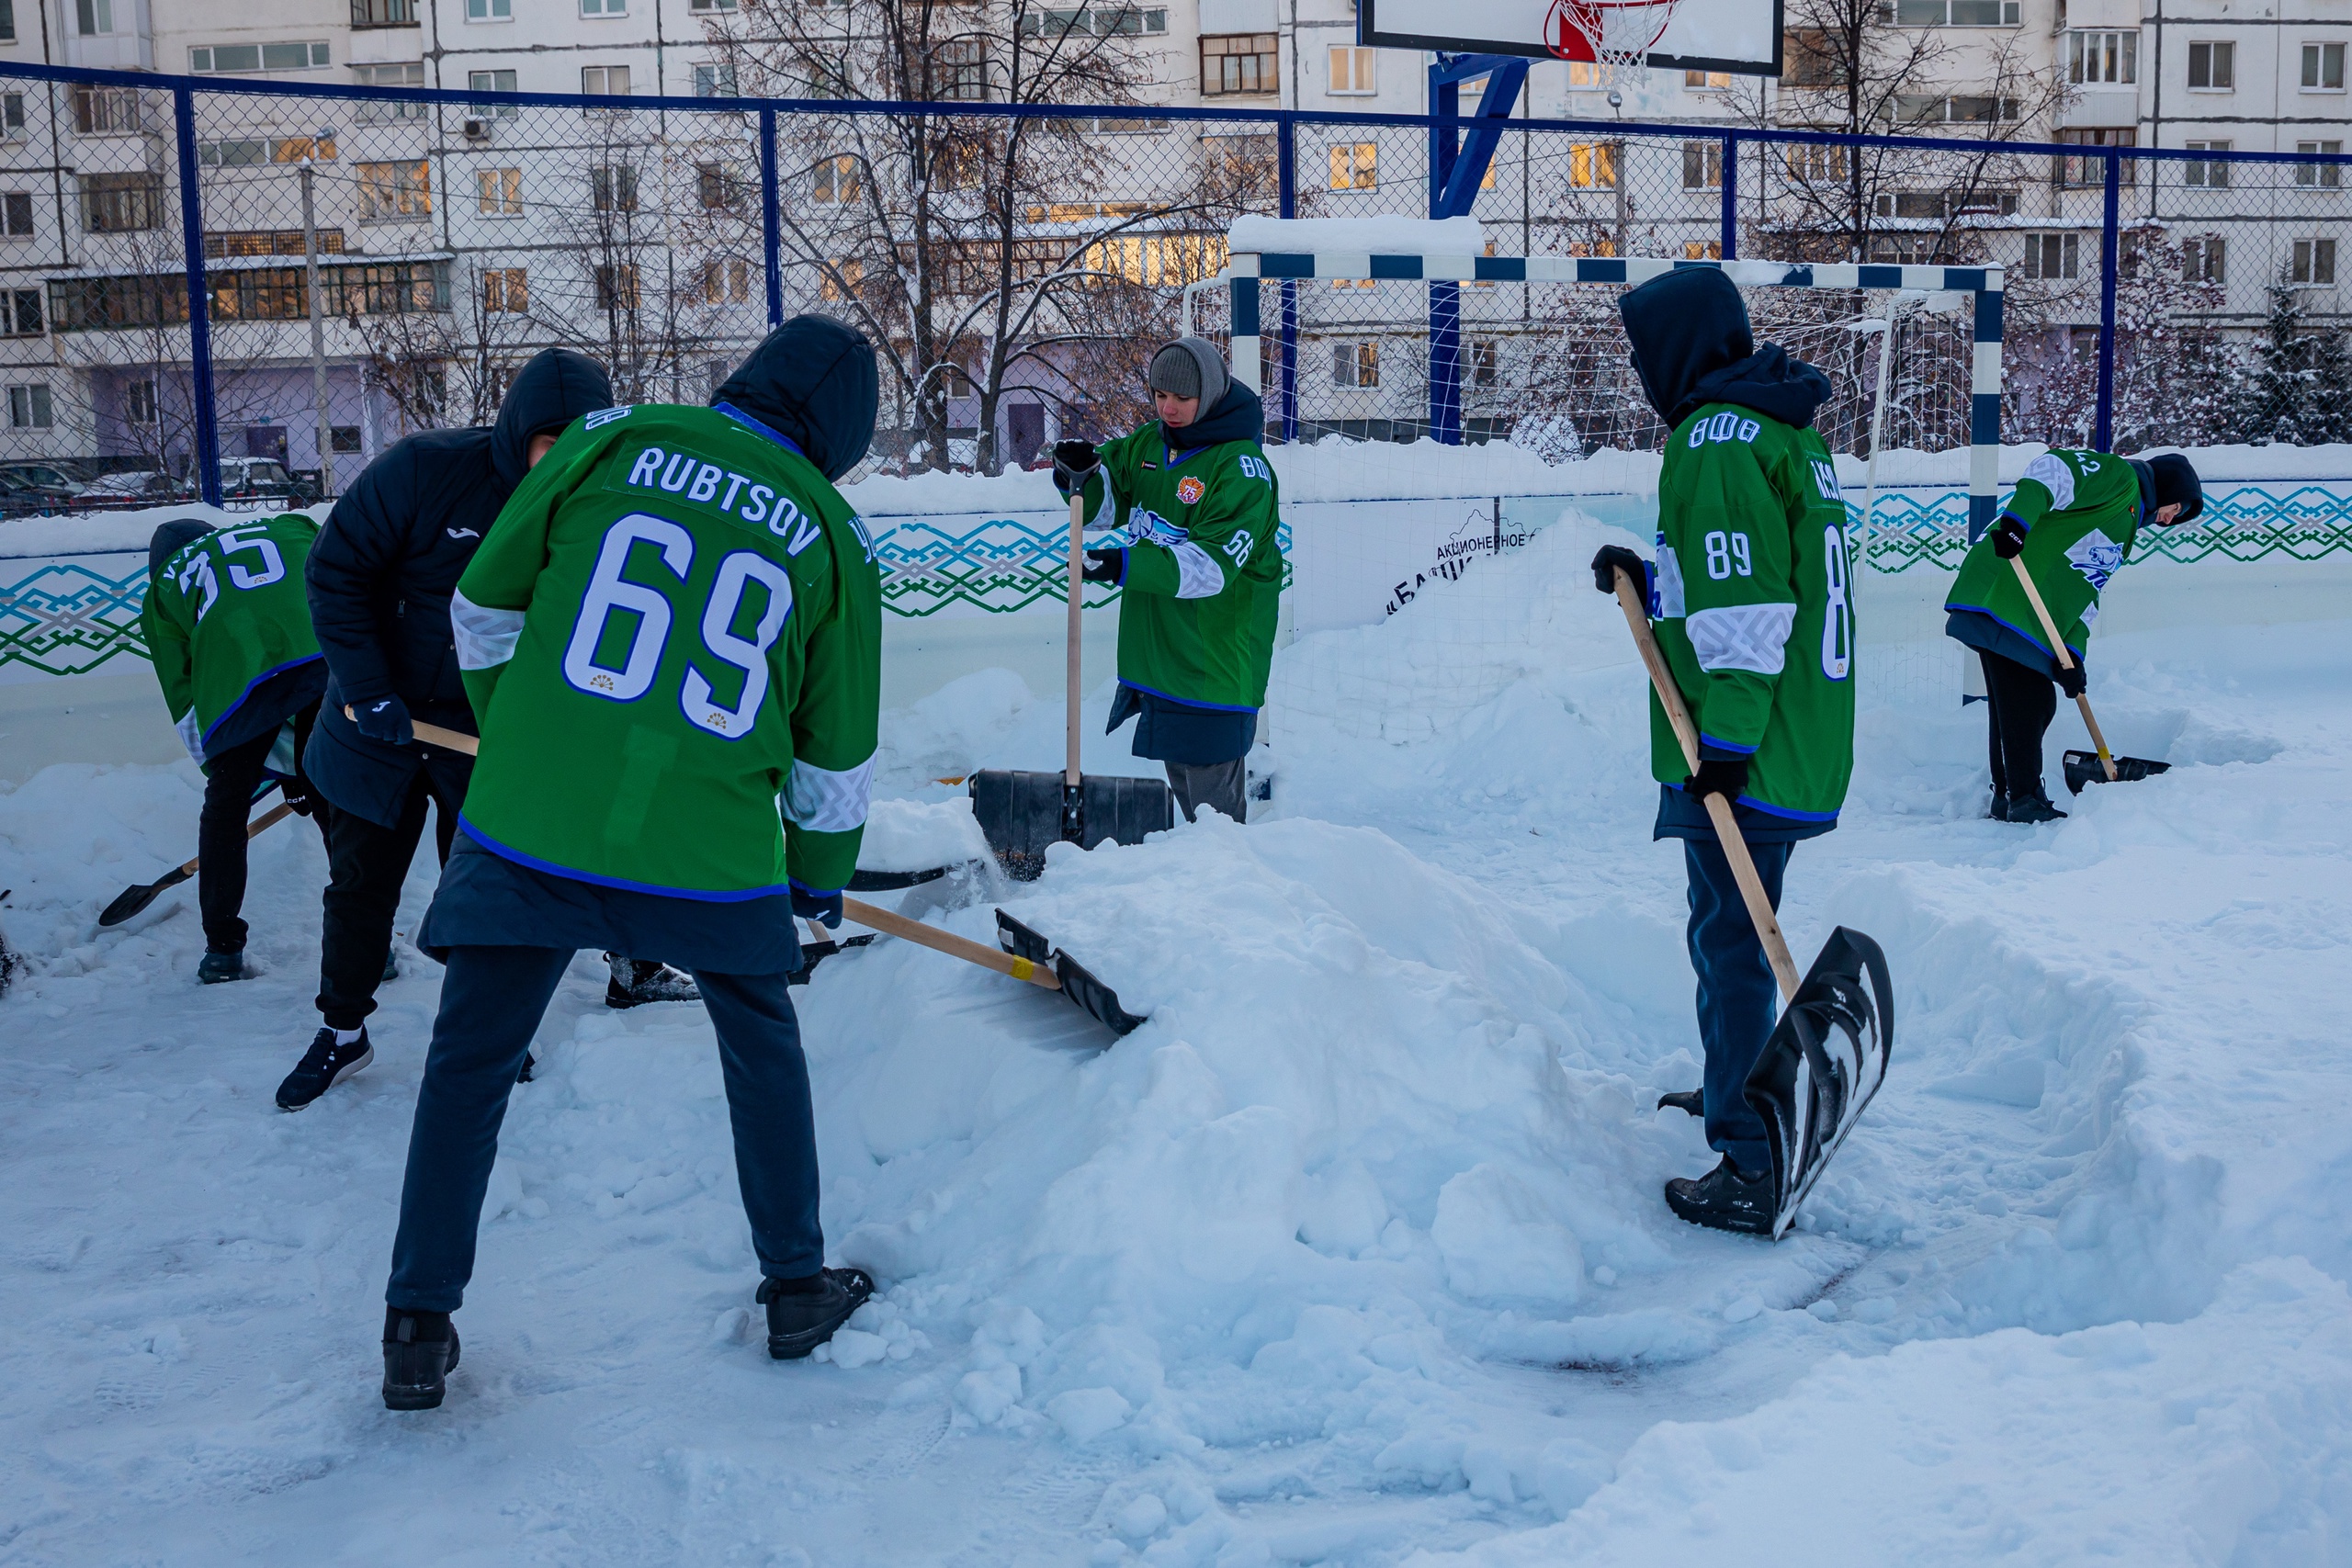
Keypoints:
(1754, 611)
(673, 628)
(1205, 574)
(224, 614)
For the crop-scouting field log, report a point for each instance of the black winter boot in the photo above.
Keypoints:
(2000, 811)
(1690, 1102)
(2033, 808)
(803, 1314)
(322, 1066)
(1724, 1200)
(420, 1352)
(215, 967)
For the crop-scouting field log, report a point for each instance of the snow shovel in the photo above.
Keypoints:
(134, 899)
(2084, 767)
(1022, 813)
(1054, 972)
(1827, 1055)
(10, 959)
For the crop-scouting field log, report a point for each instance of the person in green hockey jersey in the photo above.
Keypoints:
(2072, 520)
(672, 639)
(1201, 584)
(1750, 603)
(229, 629)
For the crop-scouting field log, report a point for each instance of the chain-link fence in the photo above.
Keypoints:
(248, 293)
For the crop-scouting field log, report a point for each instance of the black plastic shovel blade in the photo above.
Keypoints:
(1024, 814)
(815, 953)
(133, 899)
(1093, 997)
(1825, 1059)
(2083, 768)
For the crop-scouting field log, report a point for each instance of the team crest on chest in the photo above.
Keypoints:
(1189, 490)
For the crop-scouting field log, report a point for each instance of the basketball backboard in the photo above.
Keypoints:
(1738, 36)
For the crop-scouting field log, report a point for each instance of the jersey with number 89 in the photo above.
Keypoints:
(1755, 609)
(672, 630)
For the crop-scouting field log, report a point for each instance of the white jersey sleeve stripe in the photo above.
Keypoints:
(2051, 472)
(485, 638)
(822, 800)
(191, 735)
(1743, 637)
(1197, 574)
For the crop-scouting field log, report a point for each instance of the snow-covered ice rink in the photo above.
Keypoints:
(1354, 1254)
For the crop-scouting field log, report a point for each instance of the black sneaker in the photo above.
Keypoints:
(2000, 808)
(2033, 808)
(420, 1352)
(639, 980)
(322, 1066)
(1724, 1200)
(215, 967)
(799, 1322)
(1693, 1101)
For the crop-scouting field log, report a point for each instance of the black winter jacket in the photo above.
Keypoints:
(382, 570)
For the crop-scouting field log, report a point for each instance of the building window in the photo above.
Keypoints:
(235, 59)
(490, 10)
(1583, 73)
(28, 407)
(2314, 262)
(2319, 177)
(715, 81)
(604, 7)
(2201, 259)
(94, 18)
(1355, 364)
(2323, 68)
(704, 5)
(837, 180)
(840, 279)
(960, 71)
(20, 313)
(390, 192)
(121, 204)
(2053, 257)
(605, 81)
(1115, 21)
(1808, 59)
(1937, 109)
(383, 13)
(2097, 59)
(1593, 165)
(2212, 67)
(1949, 13)
(139, 406)
(16, 208)
(106, 111)
(1354, 73)
(616, 288)
(2200, 174)
(1237, 63)
(1355, 165)
(492, 82)
(1702, 250)
(612, 187)
(12, 115)
(375, 111)
(2092, 171)
(7, 21)
(501, 192)
(1484, 362)
(726, 280)
(1808, 164)
(505, 289)
(1702, 165)
(1706, 80)
(714, 187)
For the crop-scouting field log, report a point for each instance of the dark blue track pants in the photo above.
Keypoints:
(1738, 1000)
(492, 1001)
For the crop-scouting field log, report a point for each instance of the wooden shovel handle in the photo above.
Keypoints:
(1743, 866)
(432, 735)
(857, 910)
(1076, 603)
(2065, 662)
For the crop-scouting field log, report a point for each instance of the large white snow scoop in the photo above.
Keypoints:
(2081, 769)
(1827, 1054)
(1054, 971)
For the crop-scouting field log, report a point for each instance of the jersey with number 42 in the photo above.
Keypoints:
(672, 630)
(226, 613)
(1755, 610)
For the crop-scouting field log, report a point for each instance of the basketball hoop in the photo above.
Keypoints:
(1614, 35)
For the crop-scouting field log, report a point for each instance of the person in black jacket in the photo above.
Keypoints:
(379, 580)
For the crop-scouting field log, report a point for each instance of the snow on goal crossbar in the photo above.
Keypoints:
(1248, 269)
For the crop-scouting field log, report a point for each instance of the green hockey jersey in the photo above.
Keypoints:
(1204, 573)
(224, 614)
(1753, 609)
(673, 628)
(2082, 510)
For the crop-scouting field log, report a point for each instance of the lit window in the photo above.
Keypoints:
(1705, 80)
(1355, 165)
(505, 289)
(390, 192)
(1353, 73)
(1237, 63)
(1593, 165)
(836, 180)
(1355, 364)
(502, 192)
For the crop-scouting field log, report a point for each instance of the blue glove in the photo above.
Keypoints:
(1106, 566)
(385, 719)
(825, 909)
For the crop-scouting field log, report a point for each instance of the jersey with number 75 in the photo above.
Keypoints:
(224, 614)
(1755, 608)
(673, 630)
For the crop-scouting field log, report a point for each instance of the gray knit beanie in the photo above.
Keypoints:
(1189, 367)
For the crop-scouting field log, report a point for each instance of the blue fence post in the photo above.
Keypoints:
(1445, 298)
(771, 220)
(1287, 171)
(1731, 198)
(206, 455)
(2103, 435)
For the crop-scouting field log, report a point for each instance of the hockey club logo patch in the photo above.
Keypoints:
(2097, 557)
(1149, 527)
(1189, 490)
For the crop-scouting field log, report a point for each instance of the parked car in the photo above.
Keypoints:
(262, 479)
(30, 489)
(140, 487)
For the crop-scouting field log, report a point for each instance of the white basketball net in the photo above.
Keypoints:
(1619, 34)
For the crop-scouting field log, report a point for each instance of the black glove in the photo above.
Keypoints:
(1106, 566)
(296, 793)
(1073, 461)
(384, 720)
(1724, 776)
(1607, 563)
(2071, 678)
(2008, 537)
(825, 909)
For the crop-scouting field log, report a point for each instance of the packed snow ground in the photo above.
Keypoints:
(1352, 1255)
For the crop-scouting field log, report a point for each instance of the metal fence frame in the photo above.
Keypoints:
(1444, 131)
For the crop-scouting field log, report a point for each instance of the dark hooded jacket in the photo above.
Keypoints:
(813, 381)
(1692, 345)
(1240, 415)
(382, 570)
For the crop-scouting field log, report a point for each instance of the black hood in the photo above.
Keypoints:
(2173, 478)
(1692, 345)
(554, 388)
(169, 538)
(812, 380)
(1238, 416)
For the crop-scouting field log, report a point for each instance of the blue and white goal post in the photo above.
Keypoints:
(1985, 283)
